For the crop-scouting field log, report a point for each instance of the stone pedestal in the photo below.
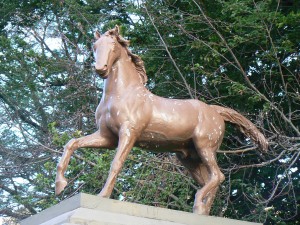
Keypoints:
(87, 209)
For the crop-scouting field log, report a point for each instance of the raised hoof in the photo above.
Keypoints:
(201, 209)
(60, 186)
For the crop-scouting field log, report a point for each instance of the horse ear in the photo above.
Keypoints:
(117, 30)
(97, 35)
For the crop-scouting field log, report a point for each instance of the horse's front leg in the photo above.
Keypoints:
(95, 140)
(127, 138)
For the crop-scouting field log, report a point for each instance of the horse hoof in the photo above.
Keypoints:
(103, 194)
(60, 186)
(200, 209)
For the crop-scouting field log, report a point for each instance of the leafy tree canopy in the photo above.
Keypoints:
(242, 54)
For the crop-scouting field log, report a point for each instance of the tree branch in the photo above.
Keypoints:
(244, 73)
(170, 55)
(23, 114)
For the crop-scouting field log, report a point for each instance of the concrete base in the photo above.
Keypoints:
(87, 209)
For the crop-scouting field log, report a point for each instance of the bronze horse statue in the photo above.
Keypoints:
(130, 115)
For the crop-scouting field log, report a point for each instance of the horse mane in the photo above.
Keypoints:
(137, 61)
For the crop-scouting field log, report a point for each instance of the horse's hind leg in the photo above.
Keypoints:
(200, 174)
(93, 140)
(215, 178)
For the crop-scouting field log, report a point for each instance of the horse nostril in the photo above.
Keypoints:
(97, 67)
(101, 69)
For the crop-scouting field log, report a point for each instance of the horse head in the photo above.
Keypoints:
(107, 49)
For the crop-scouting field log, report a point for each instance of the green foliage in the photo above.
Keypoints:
(242, 54)
(57, 139)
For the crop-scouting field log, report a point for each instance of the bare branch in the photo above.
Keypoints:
(170, 56)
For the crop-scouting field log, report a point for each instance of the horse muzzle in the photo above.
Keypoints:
(102, 71)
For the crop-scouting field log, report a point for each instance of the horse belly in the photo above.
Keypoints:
(157, 143)
(167, 136)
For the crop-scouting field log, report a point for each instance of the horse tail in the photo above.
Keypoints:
(245, 125)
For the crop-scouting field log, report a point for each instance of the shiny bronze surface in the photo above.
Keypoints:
(130, 115)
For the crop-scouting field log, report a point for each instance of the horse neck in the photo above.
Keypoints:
(122, 77)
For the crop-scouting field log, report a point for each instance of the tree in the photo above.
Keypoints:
(240, 54)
